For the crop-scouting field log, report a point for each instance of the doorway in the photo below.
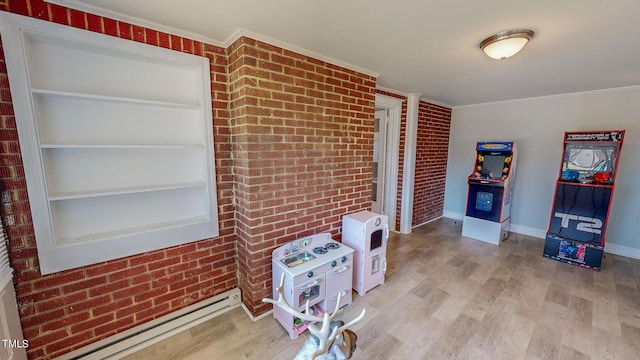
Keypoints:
(379, 155)
(386, 157)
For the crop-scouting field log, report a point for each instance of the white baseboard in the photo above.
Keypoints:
(255, 318)
(529, 231)
(542, 233)
(622, 250)
(453, 215)
(428, 221)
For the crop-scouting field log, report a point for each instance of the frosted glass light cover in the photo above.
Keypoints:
(505, 48)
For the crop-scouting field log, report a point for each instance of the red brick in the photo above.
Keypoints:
(49, 337)
(110, 26)
(77, 19)
(131, 291)
(112, 307)
(61, 301)
(94, 23)
(86, 305)
(109, 288)
(290, 126)
(58, 13)
(105, 268)
(138, 33)
(39, 9)
(86, 284)
(42, 318)
(164, 40)
(69, 342)
(126, 273)
(151, 36)
(65, 321)
(91, 324)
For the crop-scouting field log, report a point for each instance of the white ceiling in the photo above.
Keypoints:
(430, 47)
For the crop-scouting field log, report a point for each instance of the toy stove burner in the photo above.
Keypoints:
(332, 246)
(320, 250)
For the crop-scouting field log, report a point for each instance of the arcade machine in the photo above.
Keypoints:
(582, 197)
(487, 216)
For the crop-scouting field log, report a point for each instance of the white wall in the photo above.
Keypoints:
(537, 126)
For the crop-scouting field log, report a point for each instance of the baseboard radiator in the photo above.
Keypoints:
(149, 333)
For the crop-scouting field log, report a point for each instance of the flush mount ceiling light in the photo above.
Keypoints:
(505, 44)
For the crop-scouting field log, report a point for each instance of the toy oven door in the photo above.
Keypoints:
(312, 290)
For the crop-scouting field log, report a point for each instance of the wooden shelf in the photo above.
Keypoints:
(123, 191)
(124, 146)
(104, 98)
(131, 231)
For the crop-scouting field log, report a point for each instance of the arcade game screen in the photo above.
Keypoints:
(492, 166)
(586, 160)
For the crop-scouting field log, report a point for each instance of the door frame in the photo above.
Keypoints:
(390, 199)
(380, 204)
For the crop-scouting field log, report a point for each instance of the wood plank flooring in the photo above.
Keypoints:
(451, 297)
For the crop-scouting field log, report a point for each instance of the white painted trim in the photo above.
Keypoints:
(394, 106)
(411, 136)
(524, 230)
(541, 234)
(433, 102)
(529, 231)
(20, 35)
(255, 318)
(622, 250)
(393, 91)
(422, 98)
(428, 221)
(581, 93)
(281, 44)
(100, 11)
(453, 215)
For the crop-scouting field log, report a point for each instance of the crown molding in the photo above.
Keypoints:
(100, 11)
(406, 95)
(393, 91)
(433, 102)
(284, 45)
(534, 98)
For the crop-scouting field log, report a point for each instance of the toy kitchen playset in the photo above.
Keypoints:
(316, 270)
(367, 233)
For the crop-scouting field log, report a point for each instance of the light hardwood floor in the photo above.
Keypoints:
(451, 297)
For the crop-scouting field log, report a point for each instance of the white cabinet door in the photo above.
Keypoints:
(338, 282)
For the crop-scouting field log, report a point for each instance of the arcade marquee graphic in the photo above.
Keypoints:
(582, 199)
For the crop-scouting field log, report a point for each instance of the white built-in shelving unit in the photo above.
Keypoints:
(117, 142)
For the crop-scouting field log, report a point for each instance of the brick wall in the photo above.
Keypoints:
(294, 144)
(70, 309)
(302, 134)
(431, 159)
(431, 162)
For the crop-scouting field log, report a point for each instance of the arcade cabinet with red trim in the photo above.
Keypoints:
(487, 216)
(582, 199)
